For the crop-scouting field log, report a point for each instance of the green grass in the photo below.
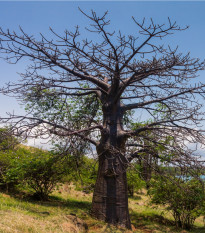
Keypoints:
(150, 218)
(23, 215)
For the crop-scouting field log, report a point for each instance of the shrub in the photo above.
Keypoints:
(39, 170)
(83, 173)
(4, 165)
(134, 182)
(8, 143)
(184, 198)
(7, 140)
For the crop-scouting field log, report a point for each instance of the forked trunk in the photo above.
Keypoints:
(110, 198)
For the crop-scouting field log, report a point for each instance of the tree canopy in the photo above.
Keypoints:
(110, 77)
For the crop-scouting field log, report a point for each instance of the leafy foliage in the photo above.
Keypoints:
(7, 140)
(47, 104)
(83, 174)
(134, 182)
(38, 170)
(8, 145)
(183, 197)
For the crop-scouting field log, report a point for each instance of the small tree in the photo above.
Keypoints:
(8, 143)
(134, 182)
(7, 140)
(83, 174)
(184, 198)
(35, 169)
(120, 73)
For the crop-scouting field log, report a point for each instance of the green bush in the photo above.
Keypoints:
(83, 174)
(134, 182)
(7, 140)
(8, 144)
(35, 169)
(4, 166)
(184, 198)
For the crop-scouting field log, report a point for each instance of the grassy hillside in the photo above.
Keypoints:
(68, 211)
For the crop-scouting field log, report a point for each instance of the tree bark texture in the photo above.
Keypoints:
(110, 198)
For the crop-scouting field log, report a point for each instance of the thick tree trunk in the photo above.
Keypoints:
(110, 199)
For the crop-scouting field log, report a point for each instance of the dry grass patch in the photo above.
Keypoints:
(21, 223)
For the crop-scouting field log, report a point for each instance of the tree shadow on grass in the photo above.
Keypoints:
(135, 198)
(72, 205)
(69, 203)
(149, 222)
(113, 229)
(53, 201)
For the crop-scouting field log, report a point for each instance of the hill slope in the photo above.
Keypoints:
(68, 211)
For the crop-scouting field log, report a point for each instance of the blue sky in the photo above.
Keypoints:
(35, 17)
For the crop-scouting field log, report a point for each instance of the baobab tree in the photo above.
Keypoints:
(113, 76)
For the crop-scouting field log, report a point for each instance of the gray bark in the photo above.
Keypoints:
(110, 198)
